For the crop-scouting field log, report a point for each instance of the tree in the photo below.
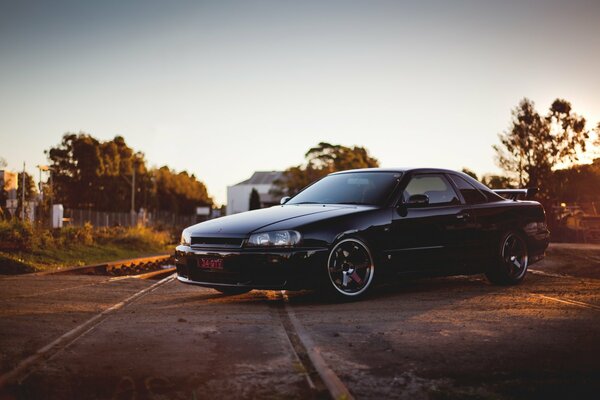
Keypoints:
(321, 160)
(497, 182)
(490, 180)
(30, 187)
(578, 183)
(88, 173)
(338, 158)
(119, 162)
(179, 193)
(254, 200)
(534, 145)
(470, 173)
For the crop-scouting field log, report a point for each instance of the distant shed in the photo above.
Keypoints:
(238, 195)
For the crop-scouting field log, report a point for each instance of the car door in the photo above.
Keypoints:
(427, 235)
(478, 229)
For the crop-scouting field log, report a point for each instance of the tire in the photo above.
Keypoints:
(349, 270)
(510, 265)
(231, 291)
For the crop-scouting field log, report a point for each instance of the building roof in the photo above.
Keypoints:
(262, 178)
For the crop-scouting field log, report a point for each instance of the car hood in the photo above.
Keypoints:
(248, 222)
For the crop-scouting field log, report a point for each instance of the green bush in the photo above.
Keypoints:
(22, 236)
(81, 235)
(45, 238)
(138, 237)
(16, 235)
(26, 248)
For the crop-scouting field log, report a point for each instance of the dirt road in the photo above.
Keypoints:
(440, 338)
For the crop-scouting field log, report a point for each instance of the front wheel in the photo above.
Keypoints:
(511, 264)
(350, 269)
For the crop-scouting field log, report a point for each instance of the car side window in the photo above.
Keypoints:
(435, 187)
(468, 191)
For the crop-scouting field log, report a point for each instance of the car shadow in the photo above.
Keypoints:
(457, 287)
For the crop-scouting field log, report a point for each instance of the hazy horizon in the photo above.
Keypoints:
(222, 89)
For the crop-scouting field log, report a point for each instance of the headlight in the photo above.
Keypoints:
(275, 238)
(186, 238)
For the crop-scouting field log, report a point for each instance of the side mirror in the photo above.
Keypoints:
(418, 200)
(284, 199)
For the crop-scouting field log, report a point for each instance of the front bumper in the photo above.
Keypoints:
(252, 268)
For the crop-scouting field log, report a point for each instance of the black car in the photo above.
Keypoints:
(353, 228)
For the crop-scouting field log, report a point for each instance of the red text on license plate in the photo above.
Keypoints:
(210, 263)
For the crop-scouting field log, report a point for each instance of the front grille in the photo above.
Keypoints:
(225, 242)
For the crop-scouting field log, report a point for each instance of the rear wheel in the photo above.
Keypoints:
(350, 269)
(511, 264)
(232, 290)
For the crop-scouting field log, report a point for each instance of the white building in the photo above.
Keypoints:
(238, 195)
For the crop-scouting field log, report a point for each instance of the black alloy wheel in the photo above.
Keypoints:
(350, 269)
(512, 265)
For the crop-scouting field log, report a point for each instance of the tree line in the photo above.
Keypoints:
(89, 173)
(321, 160)
(535, 151)
(543, 151)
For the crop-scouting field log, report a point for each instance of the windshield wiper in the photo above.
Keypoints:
(305, 202)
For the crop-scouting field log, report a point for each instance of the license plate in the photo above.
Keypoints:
(210, 263)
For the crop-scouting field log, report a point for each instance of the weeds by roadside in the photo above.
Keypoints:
(26, 248)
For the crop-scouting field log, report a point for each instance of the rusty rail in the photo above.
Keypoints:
(120, 267)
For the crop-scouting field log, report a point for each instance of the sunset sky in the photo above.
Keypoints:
(225, 88)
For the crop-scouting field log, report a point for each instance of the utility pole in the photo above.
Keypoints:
(41, 188)
(40, 185)
(132, 213)
(23, 194)
(133, 219)
(51, 197)
(133, 191)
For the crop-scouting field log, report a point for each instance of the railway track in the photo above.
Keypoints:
(23, 368)
(142, 267)
(310, 355)
(320, 378)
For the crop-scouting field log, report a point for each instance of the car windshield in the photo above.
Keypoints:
(370, 188)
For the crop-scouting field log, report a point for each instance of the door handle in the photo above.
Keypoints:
(463, 216)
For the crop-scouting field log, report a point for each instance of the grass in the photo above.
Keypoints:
(26, 248)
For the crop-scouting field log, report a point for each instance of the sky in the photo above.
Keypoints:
(224, 88)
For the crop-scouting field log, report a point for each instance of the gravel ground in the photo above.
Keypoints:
(442, 338)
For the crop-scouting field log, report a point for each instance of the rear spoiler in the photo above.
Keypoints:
(515, 194)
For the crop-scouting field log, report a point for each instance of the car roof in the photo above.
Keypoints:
(400, 169)
(426, 170)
